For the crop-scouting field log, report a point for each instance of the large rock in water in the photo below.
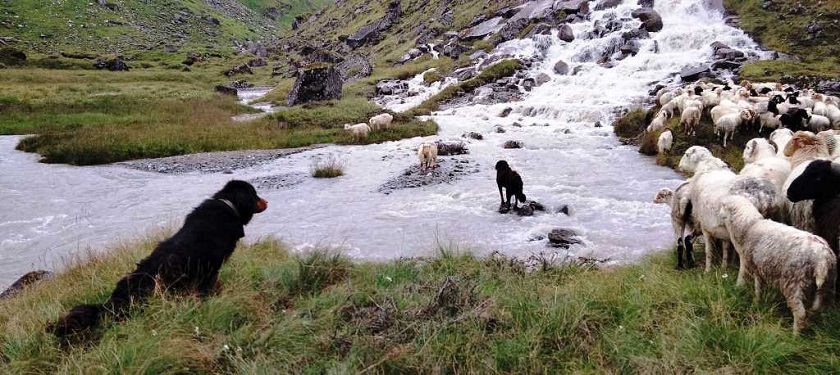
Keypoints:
(315, 83)
(579, 7)
(566, 34)
(651, 21)
(561, 68)
(24, 281)
(483, 29)
(563, 238)
(690, 74)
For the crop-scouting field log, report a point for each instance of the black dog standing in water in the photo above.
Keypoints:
(187, 262)
(508, 178)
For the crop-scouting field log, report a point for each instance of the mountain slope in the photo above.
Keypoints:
(122, 26)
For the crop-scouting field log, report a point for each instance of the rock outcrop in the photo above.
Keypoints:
(316, 83)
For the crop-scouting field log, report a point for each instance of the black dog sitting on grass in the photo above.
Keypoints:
(187, 262)
(508, 178)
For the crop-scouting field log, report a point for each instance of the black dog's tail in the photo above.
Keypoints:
(134, 288)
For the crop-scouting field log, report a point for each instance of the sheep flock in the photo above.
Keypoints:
(780, 214)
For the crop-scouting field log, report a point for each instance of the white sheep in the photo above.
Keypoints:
(819, 123)
(427, 153)
(690, 119)
(381, 121)
(780, 139)
(729, 123)
(769, 120)
(665, 141)
(359, 131)
(658, 123)
(800, 264)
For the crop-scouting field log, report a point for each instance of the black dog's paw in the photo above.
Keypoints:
(504, 208)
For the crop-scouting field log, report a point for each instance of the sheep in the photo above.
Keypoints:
(665, 141)
(681, 220)
(381, 121)
(805, 146)
(427, 153)
(800, 264)
(658, 122)
(795, 119)
(724, 108)
(690, 118)
(729, 123)
(833, 114)
(820, 181)
(819, 123)
(757, 149)
(359, 131)
(669, 109)
(711, 182)
(769, 120)
(780, 138)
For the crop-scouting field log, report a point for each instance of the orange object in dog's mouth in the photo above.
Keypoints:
(262, 204)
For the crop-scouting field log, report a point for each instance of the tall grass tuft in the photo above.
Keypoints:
(328, 168)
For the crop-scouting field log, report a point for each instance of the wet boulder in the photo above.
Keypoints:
(693, 73)
(542, 79)
(512, 144)
(566, 34)
(563, 238)
(24, 282)
(316, 83)
(607, 4)
(541, 28)
(561, 68)
(512, 29)
(651, 20)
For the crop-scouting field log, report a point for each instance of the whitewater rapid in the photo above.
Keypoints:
(50, 212)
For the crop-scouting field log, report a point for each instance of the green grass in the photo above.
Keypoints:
(328, 168)
(453, 313)
(92, 117)
(782, 28)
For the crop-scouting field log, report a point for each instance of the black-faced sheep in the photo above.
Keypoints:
(820, 181)
(801, 265)
(510, 180)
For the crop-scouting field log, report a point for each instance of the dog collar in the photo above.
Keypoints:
(229, 204)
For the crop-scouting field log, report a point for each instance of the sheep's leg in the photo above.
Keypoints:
(689, 251)
(709, 241)
(757, 289)
(725, 254)
(797, 308)
(680, 250)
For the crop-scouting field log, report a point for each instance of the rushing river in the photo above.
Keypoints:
(50, 212)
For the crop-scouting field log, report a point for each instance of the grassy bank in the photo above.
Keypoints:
(282, 313)
(92, 117)
(781, 27)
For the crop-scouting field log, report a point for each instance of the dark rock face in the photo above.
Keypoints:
(645, 3)
(25, 281)
(539, 29)
(511, 30)
(115, 65)
(561, 68)
(315, 83)
(464, 74)
(354, 67)
(694, 73)
(566, 34)
(391, 87)
(239, 69)
(607, 4)
(506, 112)
(371, 33)
(563, 238)
(483, 29)
(651, 21)
(454, 50)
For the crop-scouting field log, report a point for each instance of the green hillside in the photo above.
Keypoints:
(123, 27)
